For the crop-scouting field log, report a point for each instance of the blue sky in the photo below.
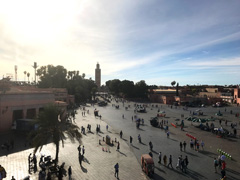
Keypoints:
(189, 41)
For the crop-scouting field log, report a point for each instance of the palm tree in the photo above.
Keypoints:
(173, 83)
(83, 75)
(28, 74)
(25, 72)
(52, 127)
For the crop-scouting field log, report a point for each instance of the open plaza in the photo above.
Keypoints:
(100, 158)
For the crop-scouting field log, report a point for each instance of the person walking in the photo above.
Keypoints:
(79, 148)
(215, 163)
(116, 167)
(181, 145)
(184, 145)
(170, 161)
(165, 160)
(121, 133)
(160, 157)
(178, 163)
(168, 133)
(197, 147)
(202, 144)
(191, 144)
(131, 139)
(70, 172)
(183, 166)
(107, 127)
(150, 145)
(83, 151)
(186, 162)
(118, 146)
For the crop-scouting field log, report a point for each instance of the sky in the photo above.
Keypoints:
(188, 41)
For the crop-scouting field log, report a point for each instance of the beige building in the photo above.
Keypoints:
(23, 103)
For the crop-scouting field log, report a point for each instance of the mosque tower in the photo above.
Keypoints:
(98, 76)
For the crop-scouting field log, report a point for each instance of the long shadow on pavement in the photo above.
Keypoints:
(86, 160)
(233, 171)
(84, 169)
(208, 153)
(20, 142)
(173, 139)
(122, 153)
(135, 147)
(124, 139)
(154, 152)
(191, 154)
(143, 144)
(162, 171)
(194, 174)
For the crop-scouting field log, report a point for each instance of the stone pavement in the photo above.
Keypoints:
(200, 163)
(98, 164)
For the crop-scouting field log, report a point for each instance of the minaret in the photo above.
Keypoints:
(98, 76)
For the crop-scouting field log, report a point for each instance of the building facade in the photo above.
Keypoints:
(98, 75)
(236, 96)
(23, 103)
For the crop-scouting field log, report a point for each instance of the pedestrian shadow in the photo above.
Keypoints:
(124, 139)
(208, 153)
(86, 160)
(84, 169)
(194, 174)
(233, 171)
(154, 152)
(162, 171)
(179, 172)
(109, 131)
(173, 139)
(140, 129)
(191, 154)
(99, 135)
(156, 176)
(135, 147)
(90, 132)
(143, 143)
(122, 153)
(232, 140)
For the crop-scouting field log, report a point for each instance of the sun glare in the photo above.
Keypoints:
(30, 20)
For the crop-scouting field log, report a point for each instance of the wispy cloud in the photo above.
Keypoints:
(132, 40)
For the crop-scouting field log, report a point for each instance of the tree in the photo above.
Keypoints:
(5, 85)
(173, 83)
(53, 127)
(114, 86)
(141, 89)
(25, 72)
(83, 75)
(51, 76)
(127, 88)
(28, 74)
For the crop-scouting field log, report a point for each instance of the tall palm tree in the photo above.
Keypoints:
(51, 127)
(25, 72)
(28, 74)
